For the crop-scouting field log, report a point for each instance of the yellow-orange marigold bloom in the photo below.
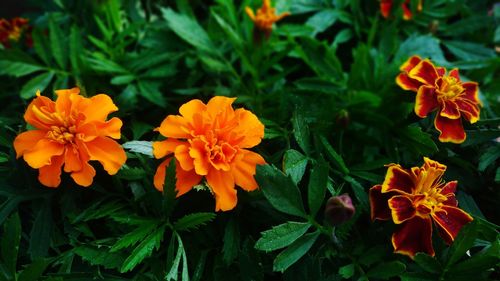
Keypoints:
(71, 131)
(211, 140)
(266, 16)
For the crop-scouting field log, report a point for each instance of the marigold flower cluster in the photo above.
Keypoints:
(443, 92)
(413, 199)
(12, 30)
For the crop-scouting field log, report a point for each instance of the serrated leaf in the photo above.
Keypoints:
(281, 236)
(142, 147)
(316, 189)
(301, 132)
(100, 256)
(294, 252)
(387, 270)
(149, 90)
(280, 190)
(57, 43)
(193, 221)
(131, 174)
(173, 273)
(18, 68)
(427, 263)
(143, 250)
(38, 83)
(134, 237)
(347, 271)
(294, 164)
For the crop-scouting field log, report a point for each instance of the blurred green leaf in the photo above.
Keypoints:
(294, 252)
(281, 236)
(427, 263)
(9, 243)
(34, 270)
(386, 270)
(40, 234)
(231, 246)
(58, 45)
(38, 83)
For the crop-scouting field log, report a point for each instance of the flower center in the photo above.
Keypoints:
(449, 88)
(62, 134)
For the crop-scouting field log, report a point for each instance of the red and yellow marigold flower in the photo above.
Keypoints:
(11, 31)
(441, 91)
(412, 199)
(211, 141)
(266, 16)
(70, 131)
(386, 7)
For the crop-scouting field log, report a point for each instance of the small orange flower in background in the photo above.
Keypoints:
(412, 199)
(441, 91)
(386, 7)
(71, 131)
(211, 140)
(11, 31)
(266, 17)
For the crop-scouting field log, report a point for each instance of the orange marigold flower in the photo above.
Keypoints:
(12, 30)
(211, 140)
(70, 131)
(266, 17)
(441, 91)
(412, 199)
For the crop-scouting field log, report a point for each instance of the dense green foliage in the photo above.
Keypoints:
(323, 85)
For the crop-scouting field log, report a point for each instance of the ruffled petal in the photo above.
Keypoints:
(27, 140)
(451, 130)
(189, 109)
(244, 170)
(424, 72)
(469, 110)
(398, 180)
(174, 126)
(426, 101)
(85, 176)
(72, 161)
(159, 177)
(222, 185)
(182, 155)
(36, 113)
(413, 236)
(410, 63)
(471, 92)
(108, 152)
(220, 105)
(50, 175)
(449, 110)
(110, 128)
(449, 221)
(249, 127)
(406, 83)
(162, 148)
(99, 108)
(198, 152)
(402, 208)
(378, 203)
(42, 153)
(185, 180)
(64, 100)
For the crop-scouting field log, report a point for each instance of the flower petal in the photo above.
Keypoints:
(424, 72)
(85, 176)
(454, 73)
(185, 180)
(449, 109)
(108, 152)
(159, 177)
(398, 180)
(249, 127)
(471, 92)
(413, 236)
(36, 113)
(183, 158)
(110, 128)
(220, 105)
(162, 148)
(42, 153)
(451, 130)
(72, 161)
(402, 208)
(449, 221)
(410, 63)
(469, 109)
(99, 108)
(243, 170)
(378, 203)
(198, 152)
(50, 175)
(426, 101)
(406, 83)
(27, 140)
(174, 126)
(222, 185)
(189, 109)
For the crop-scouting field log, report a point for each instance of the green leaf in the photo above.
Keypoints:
(294, 252)
(486, 259)
(100, 256)
(143, 250)
(75, 49)
(134, 237)
(301, 132)
(322, 20)
(18, 68)
(193, 221)
(322, 60)
(280, 190)
(38, 83)
(347, 271)
(228, 30)
(231, 246)
(317, 186)
(462, 243)
(468, 50)
(173, 273)
(57, 43)
(41, 45)
(294, 164)
(41, 232)
(131, 174)
(359, 191)
(169, 189)
(142, 147)
(149, 90)
(34, 270)
(281, 236)
(334, 156)
(419, 141)
(427, 263)
(489, 157)
(9, 243)
(189, 30)
(424, 46)
(387, 270)
(123, 79)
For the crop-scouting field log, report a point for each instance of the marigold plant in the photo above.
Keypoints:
(71, 130)
(443, 92)
(412, 199)
(265, 17)
(211, 140)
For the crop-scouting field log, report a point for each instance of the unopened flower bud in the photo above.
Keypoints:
(339, 209)
(343, 119)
